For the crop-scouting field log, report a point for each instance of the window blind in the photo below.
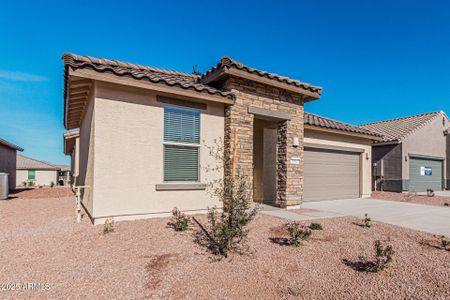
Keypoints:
(180, 163)
(181, 125)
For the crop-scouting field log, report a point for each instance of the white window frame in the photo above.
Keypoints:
(191, 145)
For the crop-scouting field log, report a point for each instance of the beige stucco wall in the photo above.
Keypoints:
(127, 142)
(8, 164)
(43, 177)
(331, 139)
(86, 156)
(428, 140)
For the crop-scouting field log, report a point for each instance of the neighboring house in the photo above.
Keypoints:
(413, 155)
(8, 154)
(71, 147)
(144, 137)
(35, 171)
(64, 175)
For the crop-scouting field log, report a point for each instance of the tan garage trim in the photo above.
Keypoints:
(332, 147)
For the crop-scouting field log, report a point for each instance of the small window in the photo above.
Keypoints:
(31, 174)
(181, 143)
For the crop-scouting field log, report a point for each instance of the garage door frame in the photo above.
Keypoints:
(349, 150)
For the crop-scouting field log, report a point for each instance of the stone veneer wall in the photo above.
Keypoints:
(249, 93)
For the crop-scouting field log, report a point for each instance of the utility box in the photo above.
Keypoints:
(4, 186)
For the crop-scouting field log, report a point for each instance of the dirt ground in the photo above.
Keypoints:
(41, 243)
(402, 197)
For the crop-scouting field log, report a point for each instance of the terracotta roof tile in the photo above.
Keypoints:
(396, 130)
(27, 163)
(10, 145)
(231, 63)
(140, 72)
(319, 121)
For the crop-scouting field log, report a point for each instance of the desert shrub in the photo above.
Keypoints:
(30, 183)
(297, 232)
(366, 221)
(52, 184)
(180, 222)
(445, 243)
(24, 183)
(430, 192)
(315, 226)
(227, 227)
(381, 260)
(108, 227)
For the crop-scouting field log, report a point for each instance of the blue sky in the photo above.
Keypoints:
(375, 59)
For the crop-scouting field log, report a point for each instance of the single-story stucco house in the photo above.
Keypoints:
(8, 154)
(413, 154)
(144, 135)
(35, 171)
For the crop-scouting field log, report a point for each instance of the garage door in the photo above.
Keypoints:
(425, 174)
(331, 175)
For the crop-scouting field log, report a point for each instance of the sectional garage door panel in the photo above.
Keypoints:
(331, 175)
(425, 174)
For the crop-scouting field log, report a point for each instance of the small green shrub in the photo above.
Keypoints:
(430, 192)
(108, 227)
(315, 226)
(298, 232)
(366, 221)
(30, 183)
(445, 243)
(180, 221)
(52, 184)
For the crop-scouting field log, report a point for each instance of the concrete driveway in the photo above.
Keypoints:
(431, 219)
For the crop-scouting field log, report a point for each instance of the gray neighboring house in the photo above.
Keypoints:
(8, 153)
(413, 155)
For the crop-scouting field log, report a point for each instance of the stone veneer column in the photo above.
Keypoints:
(289, 175)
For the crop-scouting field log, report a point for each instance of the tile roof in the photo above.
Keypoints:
(140, 72)
(27, 163)
(10, 145)
(64, 168)
(396, 130)
(319, 121)
(227, 62)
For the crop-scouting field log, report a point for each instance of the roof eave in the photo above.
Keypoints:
(160, 88)
(221, 72)
(387, 143)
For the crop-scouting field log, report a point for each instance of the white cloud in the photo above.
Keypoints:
(19, 76)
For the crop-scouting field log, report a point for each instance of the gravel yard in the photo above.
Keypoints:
(403, 197)
(147, 259)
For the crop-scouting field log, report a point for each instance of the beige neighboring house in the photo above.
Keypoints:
(35, 171)
(8, 157)
(143, 135)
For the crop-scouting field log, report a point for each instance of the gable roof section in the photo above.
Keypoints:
(227, 63)
(140, 72)
(10, 145)
(326, 123)
(27, 163)
(398, 129)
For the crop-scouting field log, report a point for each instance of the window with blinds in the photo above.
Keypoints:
(181, 144)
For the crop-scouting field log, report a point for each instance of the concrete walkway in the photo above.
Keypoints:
(431, 219)
(289, 215)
